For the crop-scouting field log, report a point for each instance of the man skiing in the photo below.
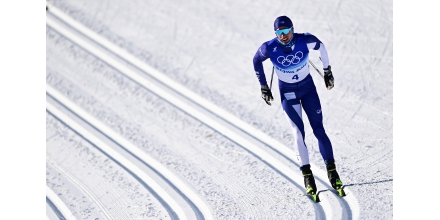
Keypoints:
(289, 54)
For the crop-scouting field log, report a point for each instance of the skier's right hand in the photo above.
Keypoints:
(266, 94)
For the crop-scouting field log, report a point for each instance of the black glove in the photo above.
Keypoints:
(266, 94)
(328, 78)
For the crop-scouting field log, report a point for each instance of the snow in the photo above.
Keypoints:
(212, 57)
(207, 47)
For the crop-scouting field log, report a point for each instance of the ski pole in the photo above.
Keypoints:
(271, 78)
(316, 69)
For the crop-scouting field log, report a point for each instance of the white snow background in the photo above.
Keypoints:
(207, 48)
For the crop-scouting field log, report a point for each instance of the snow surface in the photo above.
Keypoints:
(208, 46)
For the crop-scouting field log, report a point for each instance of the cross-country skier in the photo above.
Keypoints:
(289, 54)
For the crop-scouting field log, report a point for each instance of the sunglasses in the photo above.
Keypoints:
(283, 31)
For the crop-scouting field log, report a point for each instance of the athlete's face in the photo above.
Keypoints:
(281, 34)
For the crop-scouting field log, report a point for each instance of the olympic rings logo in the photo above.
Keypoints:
(290, 59)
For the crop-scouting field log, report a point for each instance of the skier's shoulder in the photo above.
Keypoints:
(270, 43)
(306, 37)
(267, 46)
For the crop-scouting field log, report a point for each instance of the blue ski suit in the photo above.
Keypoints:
(297, 89)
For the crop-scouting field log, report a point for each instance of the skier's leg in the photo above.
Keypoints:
(292, 109)
(312, 107)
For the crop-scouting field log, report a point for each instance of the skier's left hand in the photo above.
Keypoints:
(328, 78)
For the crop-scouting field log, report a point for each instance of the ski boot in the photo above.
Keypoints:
(333, 177)
(309, 182)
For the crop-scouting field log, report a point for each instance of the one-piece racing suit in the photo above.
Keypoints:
(297, 89)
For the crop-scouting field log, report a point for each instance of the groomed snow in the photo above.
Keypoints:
(204, 169)
(207, 47)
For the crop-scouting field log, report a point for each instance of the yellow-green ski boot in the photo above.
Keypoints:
(309, 183)
(333, 177)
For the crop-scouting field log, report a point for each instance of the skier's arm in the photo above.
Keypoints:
(315, 44)
(260, 56)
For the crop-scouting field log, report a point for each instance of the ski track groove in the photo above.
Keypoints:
(323, 210)
(137, 173)
(81, 186)
(59, 205)
(134, 150)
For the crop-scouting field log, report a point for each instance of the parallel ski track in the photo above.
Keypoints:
(145, 158)
(170, 204)
(325, 210)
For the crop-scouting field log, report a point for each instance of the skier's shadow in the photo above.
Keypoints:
(368, 183)
(357, 184)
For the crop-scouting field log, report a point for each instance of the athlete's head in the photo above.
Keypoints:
(283, 28)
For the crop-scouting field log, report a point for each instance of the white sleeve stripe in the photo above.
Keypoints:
(324, 56)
